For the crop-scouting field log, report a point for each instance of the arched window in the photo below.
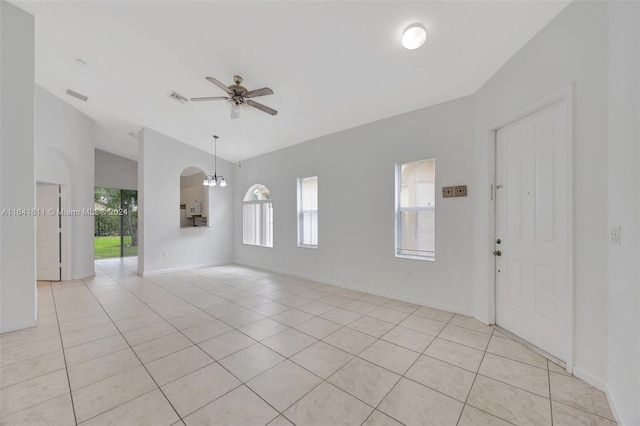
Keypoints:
(257, 217)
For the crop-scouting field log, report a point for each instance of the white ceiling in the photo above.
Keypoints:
(331, 65)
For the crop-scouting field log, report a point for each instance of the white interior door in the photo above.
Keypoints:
(48, 233)
(532, 202)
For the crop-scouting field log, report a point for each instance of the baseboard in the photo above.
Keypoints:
(16, 327)
(600, 384)
(350, 286)
(615, 409)
(594, 381)
(183, 268)
(82, 276)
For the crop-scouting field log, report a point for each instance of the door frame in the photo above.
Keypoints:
(565, 94)
(58, 225)
(64, 225)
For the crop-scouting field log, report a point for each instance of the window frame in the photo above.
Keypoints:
(399, 210)
(301, 212)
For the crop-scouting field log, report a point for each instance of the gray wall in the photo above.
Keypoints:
(65, 156)
(113, 171)
(164, 244)
(623, 282)
(594, 46)
(18, 294)
(356, 184)
(572, 49)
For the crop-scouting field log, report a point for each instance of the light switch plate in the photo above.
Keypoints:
(461, 191)
(615, 234)
(448, 191)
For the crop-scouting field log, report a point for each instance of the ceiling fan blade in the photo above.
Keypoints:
(262, 107)
(258, 92)
(219, 84)
(209, 98)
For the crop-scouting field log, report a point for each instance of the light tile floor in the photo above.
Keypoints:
(233, 345)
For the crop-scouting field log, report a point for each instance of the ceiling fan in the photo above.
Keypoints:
(239, 96)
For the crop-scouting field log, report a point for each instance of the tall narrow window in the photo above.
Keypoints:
(257, 217)
(416, 210)
(308, 212)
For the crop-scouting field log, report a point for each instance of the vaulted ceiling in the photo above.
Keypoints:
(332, 65)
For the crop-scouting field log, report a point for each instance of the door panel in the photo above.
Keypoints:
(514, 199)
(531, 222)
(545, 194)
(47, 233)
(514, 273)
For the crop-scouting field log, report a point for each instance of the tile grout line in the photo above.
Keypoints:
(31, 378)
(39, 375)
(475, 377)
(242, 383)
(343, 326)
(136, 355)
(316, 316)
(323, 380)
(358, 356)
(474, 381)
(411, 366)
(179, 331)
(64, 355)
(353, 357)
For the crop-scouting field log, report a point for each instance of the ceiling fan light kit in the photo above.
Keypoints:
(238, 96)
(414, 36)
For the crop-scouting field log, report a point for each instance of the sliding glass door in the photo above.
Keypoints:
(116, 222)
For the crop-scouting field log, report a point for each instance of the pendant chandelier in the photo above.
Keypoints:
(214, 180)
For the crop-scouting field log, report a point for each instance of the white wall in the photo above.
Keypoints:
(623, 333)
(164, 245)
(593, 45)
(65, 155)
(356, 183)
(571, 49)
(18, 294)
(113, 171)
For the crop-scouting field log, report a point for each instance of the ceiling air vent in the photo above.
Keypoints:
(177, 97)
(77, 95)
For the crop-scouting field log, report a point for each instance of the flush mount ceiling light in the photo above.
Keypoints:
(212, 180)
(414, 36)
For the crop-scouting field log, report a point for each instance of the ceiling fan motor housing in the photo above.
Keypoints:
(239, 93)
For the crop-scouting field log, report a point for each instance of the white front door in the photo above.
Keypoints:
(48, 233)
(532, 272)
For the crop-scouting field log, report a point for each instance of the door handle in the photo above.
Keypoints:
(497, 253)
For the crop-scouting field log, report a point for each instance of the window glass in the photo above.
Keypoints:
(308, 211)
(415, 213)
(257, 217)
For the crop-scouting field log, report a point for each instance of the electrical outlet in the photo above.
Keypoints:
(448, 191)
(165, 254)
(615, 234)
(461, 190)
